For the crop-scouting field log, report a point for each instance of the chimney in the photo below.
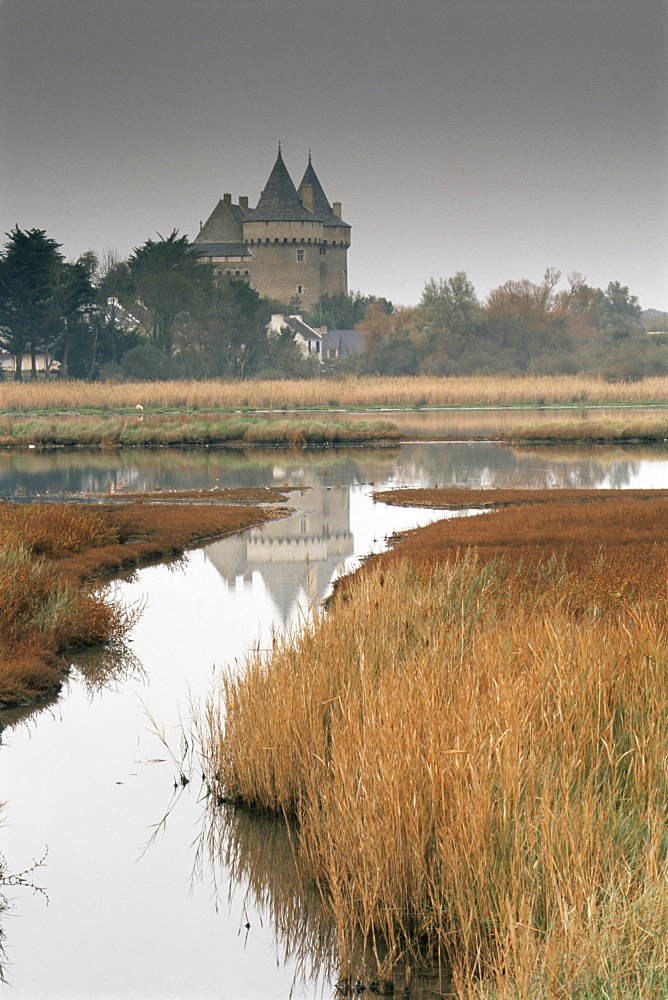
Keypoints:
(227, 199)
(243, 204)
(336, 209)
(307, 196)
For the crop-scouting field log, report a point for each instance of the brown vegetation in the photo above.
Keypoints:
(608, 431)
(322, 393)
(460, 498)
(48, 550)
(473, 741)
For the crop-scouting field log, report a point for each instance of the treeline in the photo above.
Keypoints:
(161, 314)
(523, 328)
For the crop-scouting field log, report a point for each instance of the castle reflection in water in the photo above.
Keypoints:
(296, 557)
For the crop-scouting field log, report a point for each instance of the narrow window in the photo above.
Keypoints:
(323, 251)
(300, 289)
(300, 256)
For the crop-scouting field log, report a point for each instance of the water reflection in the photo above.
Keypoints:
(257, 854)
(293, 556)
(462, 463)
(94, 471)
(254, 852)
(105, 668)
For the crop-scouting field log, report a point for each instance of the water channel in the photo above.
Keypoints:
(145, 895)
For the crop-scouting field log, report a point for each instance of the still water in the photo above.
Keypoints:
(147, 895)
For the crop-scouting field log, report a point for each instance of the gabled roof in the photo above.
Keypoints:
(346, 342)
(299, 326)
(223, 225)
(279, 201)
(321, 207)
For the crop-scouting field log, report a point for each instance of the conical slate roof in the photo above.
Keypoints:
(321, 206)
(279, 201)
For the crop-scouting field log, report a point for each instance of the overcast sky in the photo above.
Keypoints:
(497, 137)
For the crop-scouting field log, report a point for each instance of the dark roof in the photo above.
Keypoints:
(345, 341)
(279, 201)
(321, 207)
(299, 326)
(221, 249)
(223, 225)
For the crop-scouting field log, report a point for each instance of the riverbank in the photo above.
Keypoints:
(625, 430)
(184, 430)
(473, 742)
(458, 498)
(328, 393)
(51, 554)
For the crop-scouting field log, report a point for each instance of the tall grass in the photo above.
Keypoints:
(41, 612)
(348, 392)
(475, 751)
(647, 429)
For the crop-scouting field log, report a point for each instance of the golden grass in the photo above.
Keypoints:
(348, 392)
(47, 551)
(475, 747)
(645, 429)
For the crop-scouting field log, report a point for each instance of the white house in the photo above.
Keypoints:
(323, 344)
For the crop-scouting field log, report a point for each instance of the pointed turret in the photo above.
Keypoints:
(321, 206)
(279, 201)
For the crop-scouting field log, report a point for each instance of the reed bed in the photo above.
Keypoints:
(646, 429)
(474, 745)
(41, 612)
(183, 430)
(406, 391)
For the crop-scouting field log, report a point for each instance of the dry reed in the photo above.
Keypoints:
(346, 392)
(476, 751)
(647, 429)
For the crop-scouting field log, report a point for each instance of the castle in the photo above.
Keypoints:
(291, 247)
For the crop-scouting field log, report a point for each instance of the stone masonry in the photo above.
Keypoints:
(291, 247)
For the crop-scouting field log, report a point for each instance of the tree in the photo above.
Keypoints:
(390, 348)
(621, 313)
(448, 318)
(75, 298)
(166, 277)
(226, 332)
(344, 311)
(28, 279)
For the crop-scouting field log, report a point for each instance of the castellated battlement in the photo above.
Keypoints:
(293, 244)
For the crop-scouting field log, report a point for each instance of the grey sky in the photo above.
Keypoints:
(498, 137)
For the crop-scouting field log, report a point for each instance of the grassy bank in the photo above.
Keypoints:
(473, 740)
(48, 555)
(594, 431)
(459, 498)
(157, 430)
(406, 391)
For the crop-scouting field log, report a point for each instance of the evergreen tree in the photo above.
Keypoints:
(29, 315)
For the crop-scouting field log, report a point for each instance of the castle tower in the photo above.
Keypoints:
(292, 246)
(333, 249)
